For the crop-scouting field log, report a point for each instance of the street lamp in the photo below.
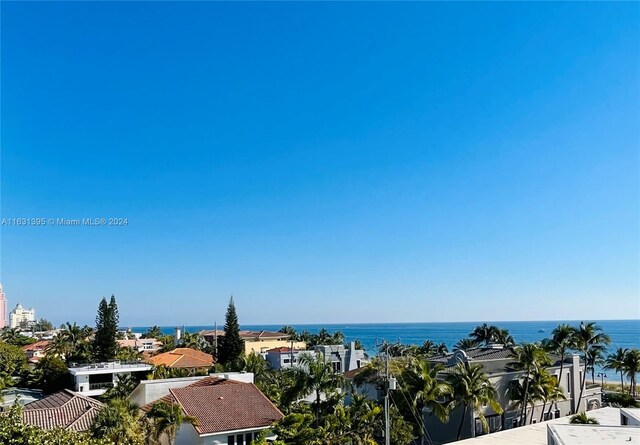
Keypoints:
(602, 376)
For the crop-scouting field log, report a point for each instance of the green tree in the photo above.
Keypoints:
(153, 332)
(561, 341)
(631, 366)
(14, 431)
(314, 376)
(167, 420)
(105, 345)
(465, 344)
(118, 421)
(231, 347)
(424, 389)
(472, 389)
(615, 362)
(484, 334)
(589, 337)
(583, 419)
(51, 374)
(528, 357)
(125, 385)
(14, 337)
(43, 325)
(12, 359)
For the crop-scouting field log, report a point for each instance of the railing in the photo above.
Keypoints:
(108, 365)
(104, 385)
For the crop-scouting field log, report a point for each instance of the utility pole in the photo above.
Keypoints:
(389, 384)
(215, 340)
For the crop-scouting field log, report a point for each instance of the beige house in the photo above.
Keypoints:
(257, 341)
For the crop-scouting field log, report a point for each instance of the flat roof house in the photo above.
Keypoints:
(95, 378)
(284, 357)
(342, 359)
(228, 412)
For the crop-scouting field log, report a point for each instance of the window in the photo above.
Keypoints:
(358, 363)
(239, 440)
(495, 423)
(286, 360)
(479, 430)
(337, 366)
(231, 440)
(569, 382)
(248, 438)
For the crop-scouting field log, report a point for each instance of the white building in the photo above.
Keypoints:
(21, 316)
(3, 309)
(94, 379)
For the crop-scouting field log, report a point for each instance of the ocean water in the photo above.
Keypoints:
(623, 333)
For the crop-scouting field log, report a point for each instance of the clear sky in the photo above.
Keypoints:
(323, 162)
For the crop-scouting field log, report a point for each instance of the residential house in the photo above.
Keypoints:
(498, 364)
(63, 409)
(35, 351)
(149, 391)
(183, 358)
(342, 358)
(227, 412)
(148, 345)
(95, 378)
(284, 357)
(257, 341)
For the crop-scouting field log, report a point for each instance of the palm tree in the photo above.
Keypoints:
(544, 387)
(595, 357)
(365, 419)
(465, 344)
(472, 389)
(589, 336)
(153, 332)
(528, 357)
(484, 334)
(425, 390)
(314, 376)
(582, 418)
(615, 362)
(255, 364)
(126, 384)
(562, 339)
(118, 422)
(10, 335)
(167, 419)
(631, 367)
(503, 337)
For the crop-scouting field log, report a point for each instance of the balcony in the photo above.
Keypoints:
(103, 385)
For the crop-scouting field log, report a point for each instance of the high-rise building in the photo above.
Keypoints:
(21, 317)
(3, 309)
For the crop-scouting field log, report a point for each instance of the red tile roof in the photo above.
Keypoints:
(64, 409)
(223, 405)
(37, 346)
(182, 358)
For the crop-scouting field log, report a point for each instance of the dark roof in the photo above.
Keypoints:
(493, 360)
(223, 405)
(64, 409)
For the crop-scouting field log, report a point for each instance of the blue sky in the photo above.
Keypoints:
(323, 162)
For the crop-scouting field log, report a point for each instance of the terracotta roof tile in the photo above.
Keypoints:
(63, 409)
(182, 358)
(223, 405)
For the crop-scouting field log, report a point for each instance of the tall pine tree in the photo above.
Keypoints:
(231, 347)
(105, 345)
